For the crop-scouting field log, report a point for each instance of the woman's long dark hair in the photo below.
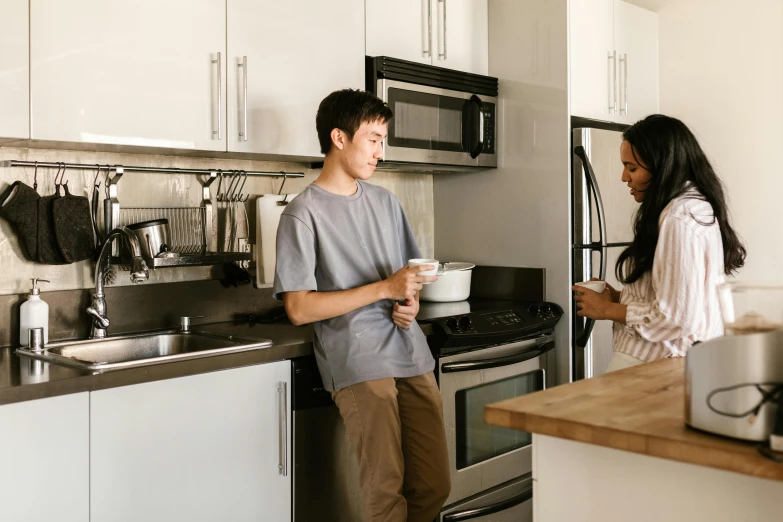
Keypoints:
(669, 150)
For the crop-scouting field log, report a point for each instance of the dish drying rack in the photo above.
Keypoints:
(190, 228)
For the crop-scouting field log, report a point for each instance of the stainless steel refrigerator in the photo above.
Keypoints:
(602, 211)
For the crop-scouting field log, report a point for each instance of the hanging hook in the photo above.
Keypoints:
(232, 187)
(95, 183)
(285, 177)
(64, 185)
(107, 179)
(35, 177)
(219, 194)
(56, 175)
(240, 198)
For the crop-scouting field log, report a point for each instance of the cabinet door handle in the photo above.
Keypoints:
(624, 63)
(282, 397)
(426, 28)
(243, 129)
(219, 131)
(442, 40)
(613, 83)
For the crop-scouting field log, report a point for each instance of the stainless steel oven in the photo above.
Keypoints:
(442, 118)
(482, 456)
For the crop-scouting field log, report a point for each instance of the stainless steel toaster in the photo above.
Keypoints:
(727, 381)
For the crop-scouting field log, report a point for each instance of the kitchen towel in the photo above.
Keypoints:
(268, 214)
(48, 249)
(19, 205)
(73, 227)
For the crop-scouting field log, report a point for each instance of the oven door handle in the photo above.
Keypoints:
(490, 509)
(548, 342)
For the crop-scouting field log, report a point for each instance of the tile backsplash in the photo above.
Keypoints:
(415, 192)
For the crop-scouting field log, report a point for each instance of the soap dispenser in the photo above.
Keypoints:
(34, 313)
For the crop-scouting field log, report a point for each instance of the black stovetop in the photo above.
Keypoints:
(479, 323)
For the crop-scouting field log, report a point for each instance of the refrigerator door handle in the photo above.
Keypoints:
(581, 341)
(579, 150)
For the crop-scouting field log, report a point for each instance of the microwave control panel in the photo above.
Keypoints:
(489, 128)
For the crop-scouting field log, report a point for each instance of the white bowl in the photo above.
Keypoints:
(595, 286)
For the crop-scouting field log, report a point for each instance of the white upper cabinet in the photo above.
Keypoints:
(45, 470)
(283, 59)
(14, 70)
(592, 59)
(447, 33)
(460, 35)
(215, 446)
(145, 73)
(402, 30)
(614, 60)
(636, 41)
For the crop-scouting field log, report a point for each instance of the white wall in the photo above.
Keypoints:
(519, 214)
(721, 72)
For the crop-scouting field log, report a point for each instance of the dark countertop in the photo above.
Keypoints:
(19, 382)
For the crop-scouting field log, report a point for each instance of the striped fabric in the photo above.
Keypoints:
(676, 303)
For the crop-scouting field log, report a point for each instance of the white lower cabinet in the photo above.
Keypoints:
(44, 460)
(207, 447)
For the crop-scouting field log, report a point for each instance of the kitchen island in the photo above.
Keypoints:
(616, 447)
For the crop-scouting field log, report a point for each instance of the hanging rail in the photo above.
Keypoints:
(166, 170)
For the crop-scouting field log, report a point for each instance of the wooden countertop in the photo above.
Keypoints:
(640, 409)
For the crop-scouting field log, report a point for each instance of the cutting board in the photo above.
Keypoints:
(268, 214)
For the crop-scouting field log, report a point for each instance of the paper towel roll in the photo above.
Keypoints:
(268, 214)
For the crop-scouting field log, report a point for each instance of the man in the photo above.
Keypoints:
(342, 252)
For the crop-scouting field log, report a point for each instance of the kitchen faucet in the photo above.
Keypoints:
(138, 274)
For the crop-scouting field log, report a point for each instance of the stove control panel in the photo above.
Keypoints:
(494, 327)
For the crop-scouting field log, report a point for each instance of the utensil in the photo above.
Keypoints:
(154, 237)
(453, 283)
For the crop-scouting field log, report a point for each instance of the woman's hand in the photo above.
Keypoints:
(591, 304)
(404, 314)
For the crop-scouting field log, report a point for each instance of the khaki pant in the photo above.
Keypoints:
(396, 428)
(621, 361)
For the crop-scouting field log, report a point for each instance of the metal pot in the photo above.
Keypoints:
(153, 237)
(453, 283)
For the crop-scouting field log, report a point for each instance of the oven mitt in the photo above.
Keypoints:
(48, 250)
(73, 227)
(19, 206)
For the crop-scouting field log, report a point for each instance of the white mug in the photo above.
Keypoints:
(419, 262)
(595, 286)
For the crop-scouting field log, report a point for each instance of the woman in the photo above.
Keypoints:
(683, 247)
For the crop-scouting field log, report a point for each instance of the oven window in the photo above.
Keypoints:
(425, 121)
(477, 441)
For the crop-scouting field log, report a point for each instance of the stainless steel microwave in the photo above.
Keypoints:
(443, 120)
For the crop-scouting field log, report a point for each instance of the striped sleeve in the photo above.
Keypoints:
(678, 280)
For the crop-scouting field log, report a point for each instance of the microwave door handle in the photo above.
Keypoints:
(491, 509)
(498, 362)
(475, 149)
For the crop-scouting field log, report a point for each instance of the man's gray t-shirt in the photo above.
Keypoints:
(328, 242)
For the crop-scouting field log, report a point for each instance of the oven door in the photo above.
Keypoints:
(483, 456)
(509, 502)
(438, 126)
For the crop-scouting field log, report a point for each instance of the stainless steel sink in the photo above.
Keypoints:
(124, 351)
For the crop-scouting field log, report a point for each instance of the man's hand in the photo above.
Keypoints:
(406, 281)
(404, 314)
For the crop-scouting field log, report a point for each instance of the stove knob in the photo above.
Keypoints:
(452, 324)
(465, 322)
